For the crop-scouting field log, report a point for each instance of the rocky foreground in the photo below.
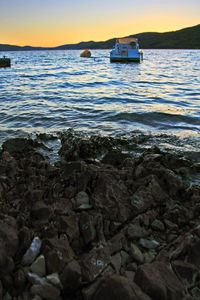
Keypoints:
(100, 224)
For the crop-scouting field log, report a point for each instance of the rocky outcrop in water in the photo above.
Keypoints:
(99, 224)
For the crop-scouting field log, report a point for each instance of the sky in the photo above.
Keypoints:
(58, 22)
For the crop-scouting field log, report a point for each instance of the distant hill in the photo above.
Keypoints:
(187, 38)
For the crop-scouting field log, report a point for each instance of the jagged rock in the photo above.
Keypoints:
(158, 225)
(185, 271)
(40, 211)
(159, 282)
(1, 290)
(9, 234)
(94, 263)
(107, 197)
(35, 279)
(136, 254)
(148, 244)
(46, 291)
(54, 279)
(193, 256)
(57, 253)
(116, 288)
(20, 280)
(39, 267)
(87, 228)
(71, 277)
(32, 252)
(82, 198)
(135, 231)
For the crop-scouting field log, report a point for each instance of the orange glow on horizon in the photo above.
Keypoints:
(56, 30)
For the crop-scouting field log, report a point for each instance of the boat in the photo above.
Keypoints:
(126, 50)
(5, 62)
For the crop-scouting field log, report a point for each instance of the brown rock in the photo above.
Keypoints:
(71, 277)
(94, 263)
(159, 282)
(117, 288)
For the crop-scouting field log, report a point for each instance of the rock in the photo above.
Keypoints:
(9, 234)
(19, 146)
(193, 256)
(135, 231)
(148, 244)
(149, 257)
(158, 225)
(57, 252)
(185, 271)
(117, 288)
(7, 297)
(94, 263)
(20, 280)
(86, 53)
(54, 279)
(46, 291)
(87, 228)
(40, 211)
(32, 252)
(82, 198)
(116, 262)
(1, 290)
(35, 279)
(107, 197)
(136, 254)
(39, 267)
(159, 282)
(71, 277)
(125, 258)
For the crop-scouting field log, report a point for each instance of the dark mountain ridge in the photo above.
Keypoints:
(187, 38)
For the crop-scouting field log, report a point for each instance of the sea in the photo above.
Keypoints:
(51, 91)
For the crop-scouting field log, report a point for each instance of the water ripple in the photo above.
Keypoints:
(54, 90)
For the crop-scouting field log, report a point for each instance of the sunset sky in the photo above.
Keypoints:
(57, 22)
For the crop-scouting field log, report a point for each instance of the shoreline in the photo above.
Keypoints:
(101, 223)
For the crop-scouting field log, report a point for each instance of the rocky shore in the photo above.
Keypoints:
(100, 224)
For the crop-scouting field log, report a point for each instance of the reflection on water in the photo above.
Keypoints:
(54, 90)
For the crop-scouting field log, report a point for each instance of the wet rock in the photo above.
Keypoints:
(32, 252)
(46, 291)
(117, 287)
(115, 158)
(71, 277)
(39, 266)
(159, 282)
(94, 263)
(19, 146)
(148, 244)
(136, 254)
